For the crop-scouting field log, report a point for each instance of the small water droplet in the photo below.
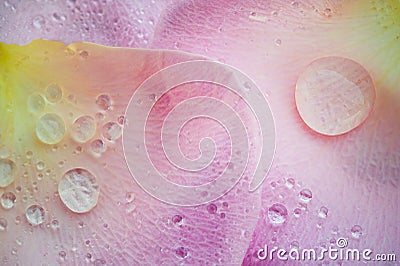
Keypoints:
(278, 42)
(277, 214)
(55, 224)
(36, 103)
(7, 172)
(356, 231)
(40, 166)
(83, 128)
(323, 212)
(121, 120)
(181, 253)
(177, 220)
(53, 93)
(104, 102)
(84, 54)
(334, 95)
(305, 195)
(8, 200)
(97, 146)
(112, 131)
(297, 212)
(212, 208)
(62, 254)
(50, 128)
(130, 208)
(35, 214)
(38, 22)
(3, 224)
(78, 190)
(129, 197)
(290, 183)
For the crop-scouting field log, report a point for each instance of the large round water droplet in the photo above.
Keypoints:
(112, 131)
(50, 128)
(277, 214)
(83, 128)
(334, 95)
(8, 200)
(36, 103)
(35, 214)
(53, 93)
(78, 190)
(7, 172)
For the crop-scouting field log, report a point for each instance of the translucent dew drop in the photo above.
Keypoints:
(3, 224)
(181, 253)
(356, 231)
(78, 190)
(104, 102)
(53, 93)
(290, 183)
(50, 128)
(177, 220)
(305, 195)
(334, 95)
(36, 103)
(277, 214)
(323, 212)
(7, 172)
(129, 197)
(35, 214)
(97, 146)
(83, 128)
(212, 208)
(8, 200)
(112, 131)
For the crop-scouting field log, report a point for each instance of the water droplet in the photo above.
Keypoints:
(297, 212)
(290, 183)
(305, 195)
(181, 253)
(40, 166)
(97, 146)
(83, 128)
(104, 102)
(55, 224)
(356, 231)
(7, 172)
(62, 254)
(84, 54)
(112, 131)
(78, 190)
(53, 93)
(38, 22)
(323, 212)
(36, 103)
(50, 129)
(8, 200)
(177, 220)
(3, 224)
(212, 208)
(334, 95)
(129, 197)
(277, 214)
(121, 120)
(130, 208)
(278, 42)
(35, 214)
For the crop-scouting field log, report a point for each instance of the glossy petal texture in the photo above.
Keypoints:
(356, 175)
